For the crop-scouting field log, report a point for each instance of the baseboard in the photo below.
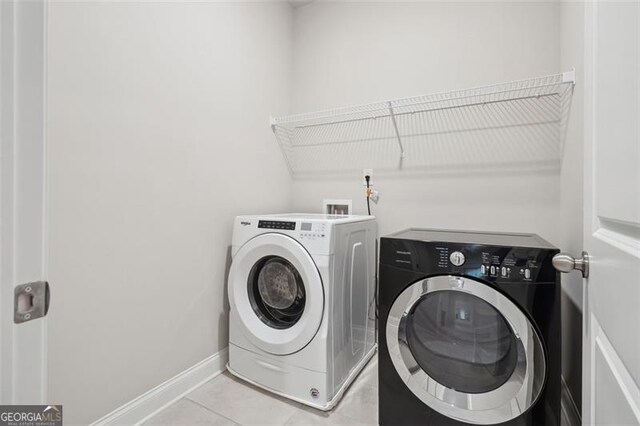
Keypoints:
(570, 411)
(148, 404)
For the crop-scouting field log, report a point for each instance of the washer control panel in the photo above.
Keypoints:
(313, 230)
(277, 224)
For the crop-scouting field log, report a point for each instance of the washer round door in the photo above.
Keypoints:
(276, 290)
(465, 350)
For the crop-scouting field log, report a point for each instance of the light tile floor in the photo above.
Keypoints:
(226, 400)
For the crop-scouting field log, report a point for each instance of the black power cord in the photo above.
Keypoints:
(367, 178)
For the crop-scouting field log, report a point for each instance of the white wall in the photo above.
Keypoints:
(349, 53)
(571, 191)
(158, 136)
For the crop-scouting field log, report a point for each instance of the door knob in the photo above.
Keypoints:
(564, 262)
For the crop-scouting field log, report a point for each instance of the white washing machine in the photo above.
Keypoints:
(302, 297)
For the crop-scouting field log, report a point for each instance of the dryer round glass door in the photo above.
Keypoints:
(465, 350)
(276, 290)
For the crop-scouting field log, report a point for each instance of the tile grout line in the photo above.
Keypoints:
(298, 407)
(296, 411)
(295, 405)
(209, 409)
(373, 387)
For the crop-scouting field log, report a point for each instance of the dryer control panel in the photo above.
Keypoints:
(489, 263)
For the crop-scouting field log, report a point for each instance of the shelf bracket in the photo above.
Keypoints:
(569, 76)
(395, 127)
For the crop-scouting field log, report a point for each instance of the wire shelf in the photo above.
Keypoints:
(517, 124)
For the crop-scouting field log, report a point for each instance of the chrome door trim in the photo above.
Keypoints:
(504, 403)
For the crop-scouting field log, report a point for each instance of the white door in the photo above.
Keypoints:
(611, 364)
(22, 199)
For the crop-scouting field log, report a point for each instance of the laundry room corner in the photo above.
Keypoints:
(543, 36)
(319, 212)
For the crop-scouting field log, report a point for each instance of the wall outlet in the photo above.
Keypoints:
(367, 172)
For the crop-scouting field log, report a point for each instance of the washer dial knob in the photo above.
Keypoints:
(457, 258)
